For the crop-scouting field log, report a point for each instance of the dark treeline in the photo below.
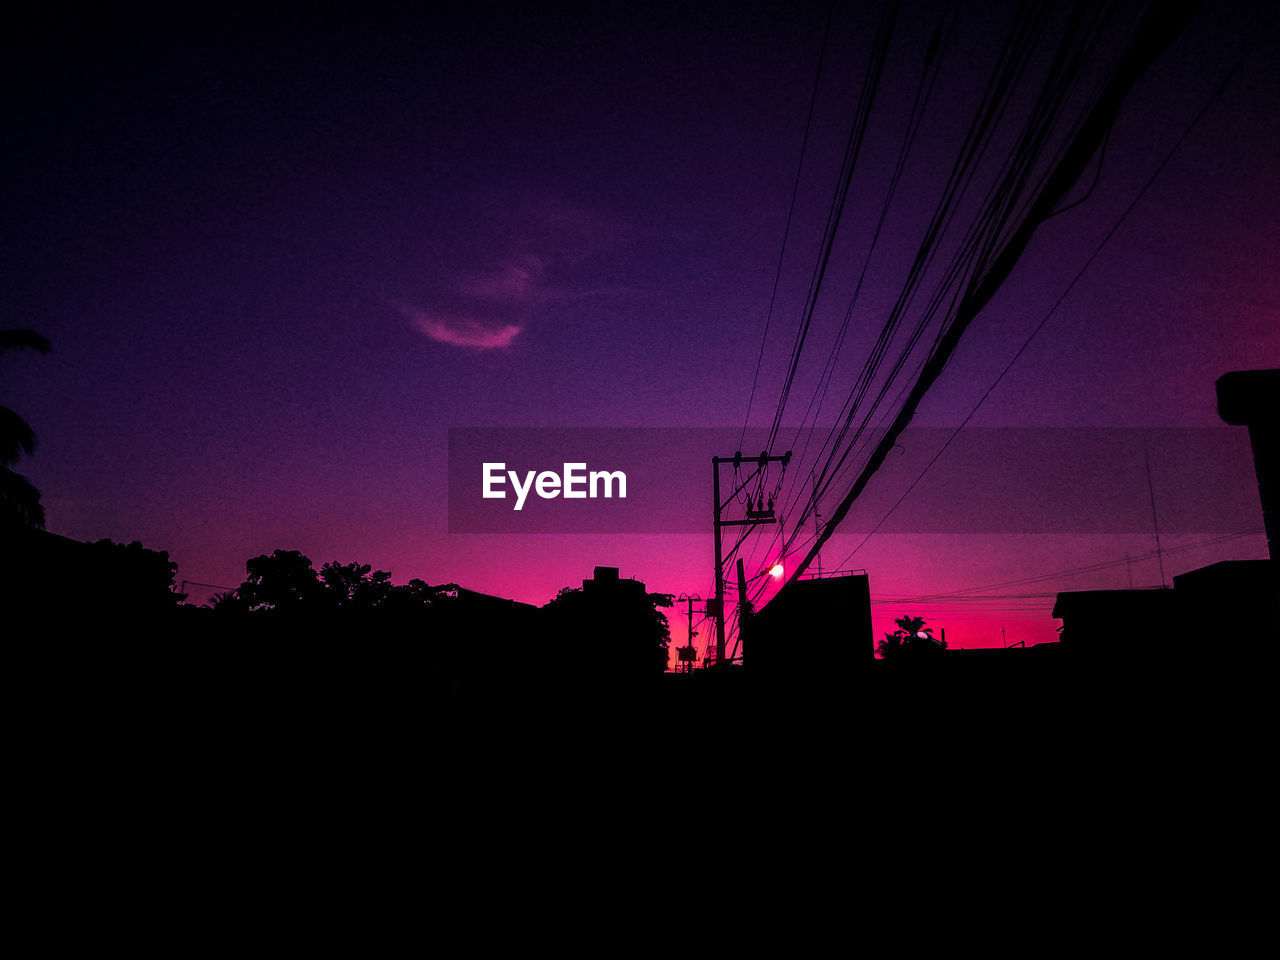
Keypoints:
(76, 592)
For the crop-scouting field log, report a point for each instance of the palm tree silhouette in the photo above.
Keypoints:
(911, 638)
(19, 500)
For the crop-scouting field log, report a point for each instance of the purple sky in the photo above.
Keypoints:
(279, 256)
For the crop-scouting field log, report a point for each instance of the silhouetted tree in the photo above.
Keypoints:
(228, 604)
(19, 500)
(415, 596)
(663, 632)
(285, 583)
(911, 639)
(611, 629)
(121, 580)
(142, 578)
(85, 588)
(351, 586)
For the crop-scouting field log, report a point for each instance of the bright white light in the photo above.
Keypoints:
(776, 571)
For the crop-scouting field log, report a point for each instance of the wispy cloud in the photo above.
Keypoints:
(460, 331)
(500, 296)
(481, 295)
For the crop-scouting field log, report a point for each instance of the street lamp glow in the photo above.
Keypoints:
(776, 571)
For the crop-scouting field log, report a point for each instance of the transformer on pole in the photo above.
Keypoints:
(756, 514)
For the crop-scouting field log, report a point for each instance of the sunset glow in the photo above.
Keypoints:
(279, 257)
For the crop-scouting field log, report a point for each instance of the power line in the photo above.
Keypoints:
(1155, 33)
(795, 189)
(1011, 63)
(857, 132)
(1093, 256)
(1077, 571)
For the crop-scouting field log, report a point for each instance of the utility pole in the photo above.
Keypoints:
(686, 653)
(755, 515)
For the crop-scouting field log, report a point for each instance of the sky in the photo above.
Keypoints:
(280, 253)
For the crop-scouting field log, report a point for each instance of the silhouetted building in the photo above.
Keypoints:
(487, 633)
(1017, 652)
(1239, 599)
(1251, 398)
(810, 621)
(1236, 599)
(1121, 623)
(606, 582)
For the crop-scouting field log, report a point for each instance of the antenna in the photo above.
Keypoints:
(817, 526)
(1146, 459)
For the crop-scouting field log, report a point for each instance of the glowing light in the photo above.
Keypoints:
(776, 571)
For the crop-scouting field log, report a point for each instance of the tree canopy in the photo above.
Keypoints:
(618, 629)
(19, 499)
(285, 583)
